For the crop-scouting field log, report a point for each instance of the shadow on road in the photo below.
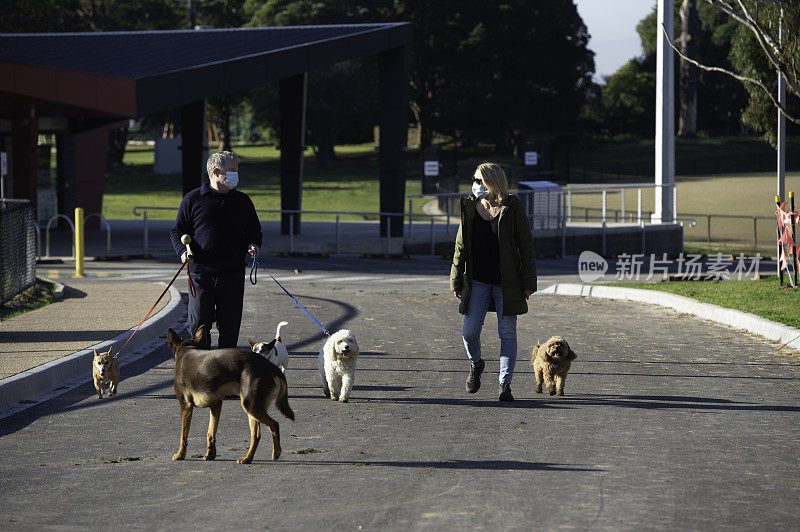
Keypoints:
(495, 465)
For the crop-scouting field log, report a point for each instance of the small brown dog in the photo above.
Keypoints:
(105, 372)
(204, 377)
(551, 362)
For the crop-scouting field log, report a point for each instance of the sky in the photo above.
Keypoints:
(612, 26)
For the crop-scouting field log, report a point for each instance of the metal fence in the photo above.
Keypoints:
(17, 247)
(752, 232)
(391, 218)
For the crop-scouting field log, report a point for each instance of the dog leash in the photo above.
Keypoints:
(191, 291)
(254, 279)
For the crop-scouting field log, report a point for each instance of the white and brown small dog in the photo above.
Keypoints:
(278, 354)
(551, 362)
(337, 365)
(105, 372)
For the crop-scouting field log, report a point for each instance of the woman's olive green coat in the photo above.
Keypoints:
(517, 257)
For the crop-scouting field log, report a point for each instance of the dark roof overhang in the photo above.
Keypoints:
(129, 74)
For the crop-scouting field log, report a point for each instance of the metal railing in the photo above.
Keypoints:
(565, 199)
(620, 188)
(142, 211)
(72, 228)
(47, 233)
(617, 215)
(108, 228)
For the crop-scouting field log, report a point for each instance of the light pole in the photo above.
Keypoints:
(665, 116)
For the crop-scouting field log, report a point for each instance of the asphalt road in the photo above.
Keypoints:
(668, 422)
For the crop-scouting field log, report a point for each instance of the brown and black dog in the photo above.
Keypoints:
(204, 377)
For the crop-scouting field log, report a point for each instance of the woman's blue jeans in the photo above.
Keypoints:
(479, 299)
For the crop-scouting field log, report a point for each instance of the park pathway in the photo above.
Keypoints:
(669, 422)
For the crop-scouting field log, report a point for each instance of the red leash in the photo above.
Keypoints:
(191, 291)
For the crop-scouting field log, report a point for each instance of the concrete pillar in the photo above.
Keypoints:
(665, 115)
(292, 95)
(394, 68)
(193, 120)
(23, 159)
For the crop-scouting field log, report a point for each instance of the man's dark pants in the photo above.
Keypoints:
(218, 297)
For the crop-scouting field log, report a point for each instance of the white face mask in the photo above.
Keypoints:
(231, 179)
(479, 190)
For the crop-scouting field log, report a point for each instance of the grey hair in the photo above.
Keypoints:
(219, 160)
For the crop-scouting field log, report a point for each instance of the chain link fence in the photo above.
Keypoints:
(17, 247)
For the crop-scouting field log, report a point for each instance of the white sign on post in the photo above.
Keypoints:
(431, 168)
(531, 158)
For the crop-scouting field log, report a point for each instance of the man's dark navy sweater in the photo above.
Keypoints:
(222, 226)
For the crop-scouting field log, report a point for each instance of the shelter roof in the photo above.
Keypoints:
(137, 73)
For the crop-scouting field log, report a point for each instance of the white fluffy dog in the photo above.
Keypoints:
(278, 355)
(337, 365)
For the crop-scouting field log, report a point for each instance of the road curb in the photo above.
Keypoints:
(29, 387)
(737, 319)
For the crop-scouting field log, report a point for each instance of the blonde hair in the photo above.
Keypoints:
(220, 160)
(494, 179)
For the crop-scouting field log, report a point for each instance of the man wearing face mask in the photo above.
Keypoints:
(494, 269)
(224, 227)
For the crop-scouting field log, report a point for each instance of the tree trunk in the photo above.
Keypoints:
(687, 120)
(325, 153)
(425, 137)
(117, 141)
(225, 131)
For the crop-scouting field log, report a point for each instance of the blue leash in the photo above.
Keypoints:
(254, 280)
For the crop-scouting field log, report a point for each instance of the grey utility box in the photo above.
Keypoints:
(543, 205)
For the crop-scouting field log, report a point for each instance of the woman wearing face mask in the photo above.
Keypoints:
(494, 269)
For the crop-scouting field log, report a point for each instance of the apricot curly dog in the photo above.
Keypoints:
(551, 362)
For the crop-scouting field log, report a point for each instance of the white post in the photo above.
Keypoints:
(622, 201)
(605, 204)
(665, 114)
(639, 204)
(674, 202)
(569, 206)
(781, 147)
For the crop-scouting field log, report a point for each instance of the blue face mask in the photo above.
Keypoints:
(479, 190)
(231, 180)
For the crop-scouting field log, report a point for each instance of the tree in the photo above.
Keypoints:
(629, 100)
(687, 119)
(222, 14)
(497, 70)
(131, 15)
(39, 16)
(719, 99)
(341, 98)
(758, 54)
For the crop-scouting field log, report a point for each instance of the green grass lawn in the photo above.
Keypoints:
(348, 184)
(765, 297)
(351, 184)
(37, 296)
(702, 156)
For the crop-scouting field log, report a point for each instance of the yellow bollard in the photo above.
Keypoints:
(78, 242)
